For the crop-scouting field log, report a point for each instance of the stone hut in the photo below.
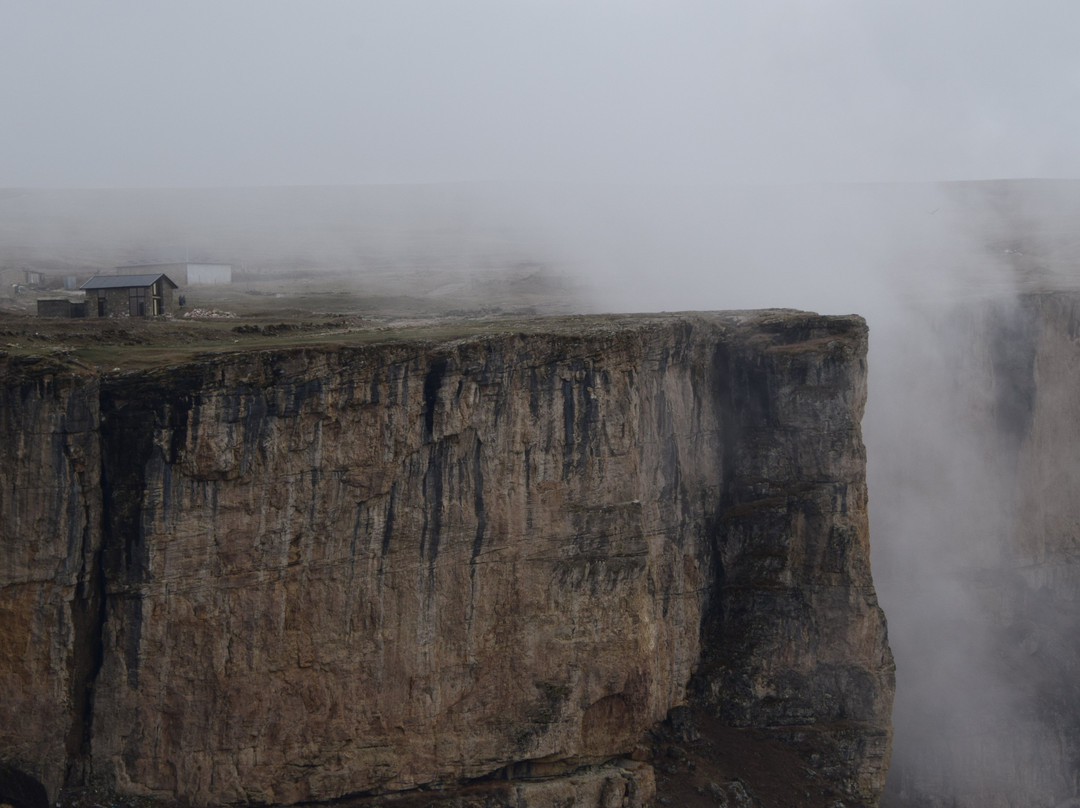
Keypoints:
(129, 295)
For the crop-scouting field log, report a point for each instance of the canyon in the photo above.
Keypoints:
(469, 571)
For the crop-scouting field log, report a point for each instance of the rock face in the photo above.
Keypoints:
(295, 576)
(50, 584)
(988, 631)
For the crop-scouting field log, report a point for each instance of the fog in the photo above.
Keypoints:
(126, 94)
(666, 157)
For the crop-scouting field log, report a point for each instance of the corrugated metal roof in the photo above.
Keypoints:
(124, 281)
(151, 265)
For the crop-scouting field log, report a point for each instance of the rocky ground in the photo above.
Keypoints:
(698, 763)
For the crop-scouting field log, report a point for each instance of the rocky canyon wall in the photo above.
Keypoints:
(298, 576)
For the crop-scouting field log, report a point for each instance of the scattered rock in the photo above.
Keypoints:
(209, 314)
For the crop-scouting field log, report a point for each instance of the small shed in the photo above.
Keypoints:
(60, 307)
(129, 295)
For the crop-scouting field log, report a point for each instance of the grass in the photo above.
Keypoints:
(105, 345)
(101, 346)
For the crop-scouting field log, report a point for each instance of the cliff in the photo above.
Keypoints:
(295, 576)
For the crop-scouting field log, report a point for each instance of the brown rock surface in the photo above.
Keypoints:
(358, 571)
(50, 533)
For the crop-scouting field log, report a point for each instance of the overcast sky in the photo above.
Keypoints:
(244, 92)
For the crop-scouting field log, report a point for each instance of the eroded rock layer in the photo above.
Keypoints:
(295, 576)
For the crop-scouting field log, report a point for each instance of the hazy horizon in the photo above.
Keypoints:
(254, 94)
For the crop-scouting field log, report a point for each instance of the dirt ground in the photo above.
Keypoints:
(701, 763)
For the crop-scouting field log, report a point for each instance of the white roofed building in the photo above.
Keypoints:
(188, 273)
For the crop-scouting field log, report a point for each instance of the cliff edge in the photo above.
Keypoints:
(299, 576)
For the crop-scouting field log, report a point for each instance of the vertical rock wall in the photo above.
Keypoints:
(355, 571)
(50, 536)
(794, 635)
